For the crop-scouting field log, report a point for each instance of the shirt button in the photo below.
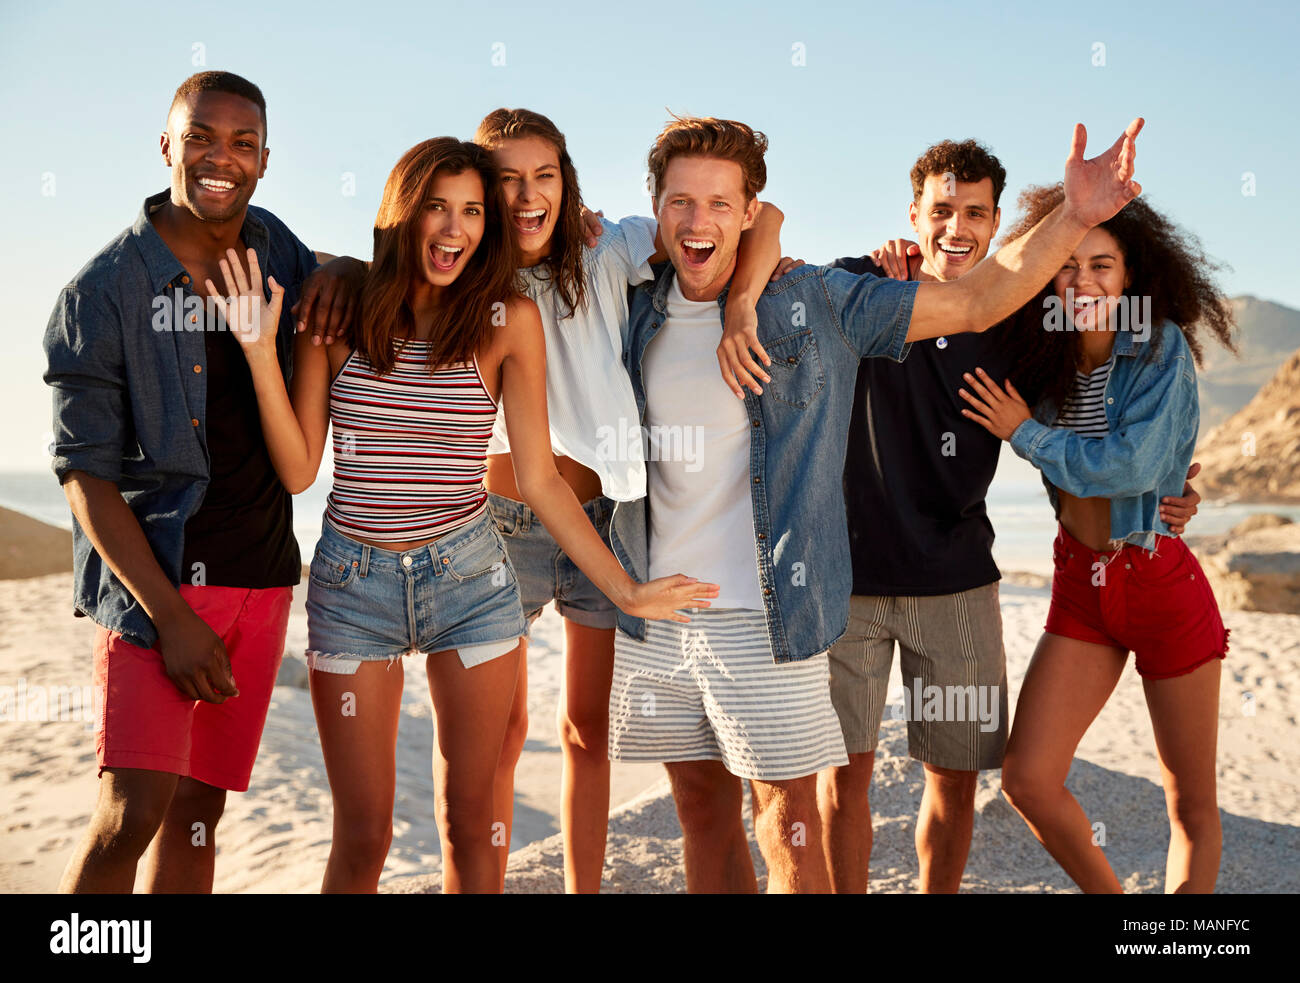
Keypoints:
(654, 324)
(194, 421)
(767, 591)
(1128, 566)
(406, 561)
(755, 423)
(758, 481)
(762, 535)
(941, 343)
(445, 561)
(1110, 399)
(198, 368)
(185, 279)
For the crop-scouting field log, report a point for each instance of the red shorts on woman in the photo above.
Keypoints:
(1156, 604)
(148, 723)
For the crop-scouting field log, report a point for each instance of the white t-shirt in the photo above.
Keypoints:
(589, 400)
(697, 448)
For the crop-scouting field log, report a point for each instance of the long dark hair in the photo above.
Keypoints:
(565, 260)
(464, 322)
(1166, 264)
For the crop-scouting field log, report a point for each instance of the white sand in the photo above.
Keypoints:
(275, 837)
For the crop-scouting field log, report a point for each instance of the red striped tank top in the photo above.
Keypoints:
(409, 447)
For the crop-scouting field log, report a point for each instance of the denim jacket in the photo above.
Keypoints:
(816, 323)
(1153, 415)
(125, 355)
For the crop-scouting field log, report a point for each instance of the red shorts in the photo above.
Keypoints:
(1156, 604)
(148, 723)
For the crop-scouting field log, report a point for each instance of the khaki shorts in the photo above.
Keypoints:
(954, 673)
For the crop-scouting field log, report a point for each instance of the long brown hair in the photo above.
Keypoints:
(564, 263)
(1166, 264)
(464, 321)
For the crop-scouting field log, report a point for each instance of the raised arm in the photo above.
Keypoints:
(1095, 190)
(523, 390)
(294, 427)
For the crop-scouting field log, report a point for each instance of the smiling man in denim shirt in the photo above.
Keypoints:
(183, 546)
(742, 692)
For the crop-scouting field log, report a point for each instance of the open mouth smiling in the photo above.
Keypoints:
(697, 252)
(530, 221)
(444, 257)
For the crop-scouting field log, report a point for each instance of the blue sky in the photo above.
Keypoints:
(349, 87)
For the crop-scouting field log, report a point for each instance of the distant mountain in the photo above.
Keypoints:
(1267, 334)
(1254, 455)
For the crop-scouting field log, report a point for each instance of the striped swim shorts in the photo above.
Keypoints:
(709, 691)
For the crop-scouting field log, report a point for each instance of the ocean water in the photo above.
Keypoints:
(1018, 508)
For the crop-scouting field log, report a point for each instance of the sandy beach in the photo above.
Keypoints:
(275, 838)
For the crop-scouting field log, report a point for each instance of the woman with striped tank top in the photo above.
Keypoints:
(409, 560)
(1124, 321)
(577, 268)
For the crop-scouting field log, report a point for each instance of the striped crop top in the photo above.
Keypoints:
(1084, 411)
(409, 447)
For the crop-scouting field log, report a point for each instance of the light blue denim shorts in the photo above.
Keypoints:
(545, 571)
(366, 604)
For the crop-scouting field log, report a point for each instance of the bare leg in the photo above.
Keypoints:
(709, 800)
(584, 738)
(357, 719)
(185, 850)
(1185, 716)
(131, 805)
(472, 708)
(1065, 687)
(944, 827)
(789, 832)
(503, 785)
(842, 801)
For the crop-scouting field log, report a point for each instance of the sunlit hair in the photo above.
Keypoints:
(463, 323)
(968, 162)
(704, 136)
(1166, 264)
(564, 263)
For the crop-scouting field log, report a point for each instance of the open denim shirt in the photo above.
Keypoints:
(126, 358)
(1153, 415)
(816, 323)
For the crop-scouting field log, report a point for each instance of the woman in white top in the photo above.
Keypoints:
(581, 292)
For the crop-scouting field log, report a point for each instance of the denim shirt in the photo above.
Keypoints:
(1153, 415)
(816, 323)
(125, 357)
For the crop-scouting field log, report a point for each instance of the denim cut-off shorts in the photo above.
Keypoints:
(545, 571)
(366, 604)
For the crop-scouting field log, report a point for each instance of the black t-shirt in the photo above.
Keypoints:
(243, 531)
(917, 471)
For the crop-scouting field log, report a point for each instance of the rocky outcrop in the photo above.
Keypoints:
(1256, 566)
(1254, 456)
(31, 548)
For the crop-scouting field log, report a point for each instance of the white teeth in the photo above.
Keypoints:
(697, 244)
(536, 213)
(955, 250)
(208, 182)
(447, 249)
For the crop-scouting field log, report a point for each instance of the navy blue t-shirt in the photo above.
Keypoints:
(917, 471)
